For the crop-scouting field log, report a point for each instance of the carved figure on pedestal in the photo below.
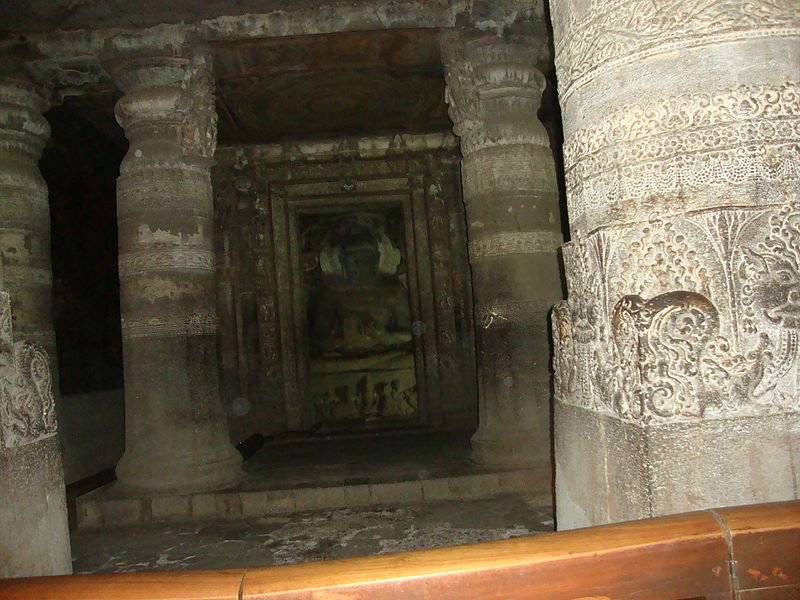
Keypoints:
(360, 346)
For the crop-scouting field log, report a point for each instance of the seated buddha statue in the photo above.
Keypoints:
(360, 312)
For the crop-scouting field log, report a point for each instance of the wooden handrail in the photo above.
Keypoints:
(748, 553)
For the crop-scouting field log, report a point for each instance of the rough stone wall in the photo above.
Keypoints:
(677, 364)
(258, 352)
(34, 539)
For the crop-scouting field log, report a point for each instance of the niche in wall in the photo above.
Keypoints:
(275, 208)
(358, 316)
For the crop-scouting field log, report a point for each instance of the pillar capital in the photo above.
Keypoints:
(23, 129)
(168, 109)
(494, 88)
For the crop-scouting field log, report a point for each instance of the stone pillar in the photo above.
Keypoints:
(34, 537)
(176, 432)
(25, 213)
(677, 371)
(494, 91)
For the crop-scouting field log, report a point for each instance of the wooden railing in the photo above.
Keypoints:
(746, 553)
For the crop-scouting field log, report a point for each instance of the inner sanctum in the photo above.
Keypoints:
(327, 279)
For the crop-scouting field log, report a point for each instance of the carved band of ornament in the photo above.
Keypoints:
(199, 323)
(153, 261)
(20, 276)
(592, 196)
(27, 182)
(129, 207)
(608, 34)
(694, 316)
(175, 168)
(27, 216)
(478, 139)
(780, 136)
(516, 242)
(748, 114)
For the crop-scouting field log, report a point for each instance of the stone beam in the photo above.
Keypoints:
(70, 57)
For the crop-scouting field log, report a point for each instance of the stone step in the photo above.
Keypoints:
(110, 506)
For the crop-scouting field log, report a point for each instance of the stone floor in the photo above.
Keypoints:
(303, 537)
(291, 475)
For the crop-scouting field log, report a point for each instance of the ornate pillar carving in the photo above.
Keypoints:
(677, 369)
(494, 91)
(34, 537)
(176, 433)
(25, 212)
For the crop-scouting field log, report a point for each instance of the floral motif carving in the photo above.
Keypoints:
(516, 242)
(639, 152)
(771, 290)
(718, 334)
(494, 90)
(27, 408)
(596, 35)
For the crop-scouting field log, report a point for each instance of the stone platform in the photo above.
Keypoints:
(328, 473)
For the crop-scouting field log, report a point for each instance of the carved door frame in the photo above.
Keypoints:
(287, 200)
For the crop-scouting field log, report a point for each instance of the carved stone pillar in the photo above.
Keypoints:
(176, 433)
(25, 213)
(511, 199)
(676, 352)
(34, 538)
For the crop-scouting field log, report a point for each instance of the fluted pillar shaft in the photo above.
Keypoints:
(25, 214)
(494, 91)
(176, 432)
(677, 365)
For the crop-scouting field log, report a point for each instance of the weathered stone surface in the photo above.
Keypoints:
(682, 167)
(511, 198)
(323, 534)
(175, 425)
(25, 213)
(33, 522)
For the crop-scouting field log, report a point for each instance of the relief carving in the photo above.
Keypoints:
(693, 317)
(199, 127)
(596, 36)
(642, 152)
(494, 90)
(516, 242)
(771, 291)
(27, 408)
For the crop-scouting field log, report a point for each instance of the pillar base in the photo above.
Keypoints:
(610, 470)
(195, 473)
(502, 448)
